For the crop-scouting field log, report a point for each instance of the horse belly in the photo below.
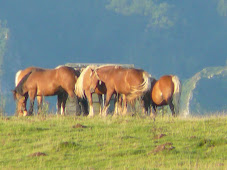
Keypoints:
(47, 90)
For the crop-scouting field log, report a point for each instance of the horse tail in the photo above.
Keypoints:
(19, 87)
(138, 91)
(176, 93)
(16, 77)
(79, 89)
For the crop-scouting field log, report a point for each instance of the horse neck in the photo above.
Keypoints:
(102, 75)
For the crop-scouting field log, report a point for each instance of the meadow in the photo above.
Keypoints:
(131, 142)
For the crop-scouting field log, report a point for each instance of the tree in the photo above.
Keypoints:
(157, 14)
(3, 41)
(222, 7)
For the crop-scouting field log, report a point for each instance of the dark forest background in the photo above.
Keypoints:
(161, 37)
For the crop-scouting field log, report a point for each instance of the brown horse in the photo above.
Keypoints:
(129, 82)
(21, 103)
(165, 91)
(48, 82)
(82, 88)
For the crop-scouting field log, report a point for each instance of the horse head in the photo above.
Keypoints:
(94, 80)
(21, 103)
(15, 94)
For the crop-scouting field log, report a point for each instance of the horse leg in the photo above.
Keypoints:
(84, 106)
(117, 104)
(39, 101)
(171, 106)
(153, 114)
(30, 112)
(146, 102)
(25, 105)
(125, 104)
(100, 103)
(63, 103)
(59, 102)
(107, 101)
(32, 95)
(89, 97)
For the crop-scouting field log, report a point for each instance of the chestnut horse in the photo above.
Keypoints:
(166, 91)
(48, 82)
(129, 82)
(21, 103)
(82, 88)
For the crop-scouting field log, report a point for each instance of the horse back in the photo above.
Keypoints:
(134, 76)
(67, 76)
(126, 79)
(21, 73)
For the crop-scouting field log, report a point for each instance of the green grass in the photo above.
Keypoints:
(50, 142)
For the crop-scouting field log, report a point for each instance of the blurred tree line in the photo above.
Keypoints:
(3, 43)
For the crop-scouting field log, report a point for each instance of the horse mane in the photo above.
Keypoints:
(107, 65)
(79, 89)
(19, 87)
(16, 77)
(141, 89)
(176, 93)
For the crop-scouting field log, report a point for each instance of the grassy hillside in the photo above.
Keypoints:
(137, 142)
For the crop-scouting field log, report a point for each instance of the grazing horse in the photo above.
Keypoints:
(21, 103)
(165, 91)
(48, 82)
(82, 88)
(129, 82)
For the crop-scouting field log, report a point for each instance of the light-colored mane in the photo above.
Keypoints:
(107, 65)
(16, 77)
(79, 89)
(59, 66)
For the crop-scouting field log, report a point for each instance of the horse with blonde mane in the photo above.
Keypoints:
(47, 82)
(83, 90)
(131, 83)
(165, 91)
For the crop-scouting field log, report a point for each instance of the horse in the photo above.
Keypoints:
(48, 82)
(131, 83)
(82, 88)
(165, 91)
(21, 103)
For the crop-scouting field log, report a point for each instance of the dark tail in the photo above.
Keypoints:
(19, 88)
